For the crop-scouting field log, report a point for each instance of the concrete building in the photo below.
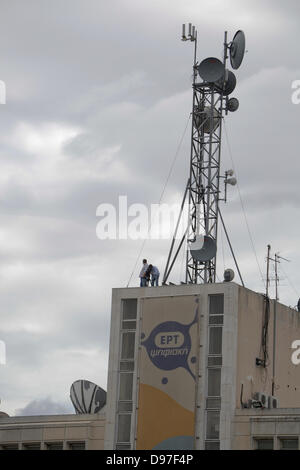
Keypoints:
(209, 366)
(189, 363)
(266, 429)
(59, 432)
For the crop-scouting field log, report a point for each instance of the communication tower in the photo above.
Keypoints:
(212, 85)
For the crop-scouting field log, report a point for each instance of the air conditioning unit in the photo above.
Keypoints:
(273, 402)
(261, 398)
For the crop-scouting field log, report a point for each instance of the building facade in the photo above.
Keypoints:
(210, 366)
(185, 359)
(55, 432)
(267, 429)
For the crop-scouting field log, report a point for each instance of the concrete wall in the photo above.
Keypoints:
(250, 323)
(250, 425)
(45, 430)
(256, 378)
(287, 374)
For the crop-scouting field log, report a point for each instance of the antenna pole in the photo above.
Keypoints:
(195, 50)
(276, 261)
(268, 268)
(276, 276)
(275, 321)
(225, 48)
(277, 258)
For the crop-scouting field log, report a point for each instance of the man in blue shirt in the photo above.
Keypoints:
(154, 276)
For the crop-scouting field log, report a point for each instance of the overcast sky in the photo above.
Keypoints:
(98, 96)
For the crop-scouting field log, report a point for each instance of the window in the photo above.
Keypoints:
(216, 304)
(128, 340)
(32, 446)
(125, 406)
(129, 309)
(129, 325)
(288, 443)
(215, 340)
(213, 424)
(10, 447)
(126, 369)
(54, 446)
(126, 365)
(214, 361)
(214, 383)
(264, 444)
(123, 447)
(126, 382)
(216, 319)
(212, 445)
(76, 445)
(124, 423)
(213, 403)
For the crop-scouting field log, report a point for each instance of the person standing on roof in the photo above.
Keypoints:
(147, 274)
(154, 276)
(143, 279)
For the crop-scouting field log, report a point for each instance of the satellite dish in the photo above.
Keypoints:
(229, 85)
(237, 49)
(203, 248)
(202, 118)
(231, 181)
(233, 104)
(228, 275)
(87, 397)
(211, 69)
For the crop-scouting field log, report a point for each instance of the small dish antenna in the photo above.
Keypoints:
(203, 118)
(203, 248)
(232, 105)
(87, 397)
(228, 275)
(237, 49)
(211, 69)
(229, 83)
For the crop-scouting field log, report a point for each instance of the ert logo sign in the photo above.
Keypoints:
(169, 345)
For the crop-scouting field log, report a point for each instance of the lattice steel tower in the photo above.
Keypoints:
(212, 85)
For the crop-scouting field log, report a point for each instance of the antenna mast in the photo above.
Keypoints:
(276, 260)
(210, 100)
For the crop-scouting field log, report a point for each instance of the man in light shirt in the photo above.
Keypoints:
(143, 279)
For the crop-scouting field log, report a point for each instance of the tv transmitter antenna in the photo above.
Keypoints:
(212, 85)
(276, 260)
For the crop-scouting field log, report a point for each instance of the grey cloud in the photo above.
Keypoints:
(117, 73)
(45, 406)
